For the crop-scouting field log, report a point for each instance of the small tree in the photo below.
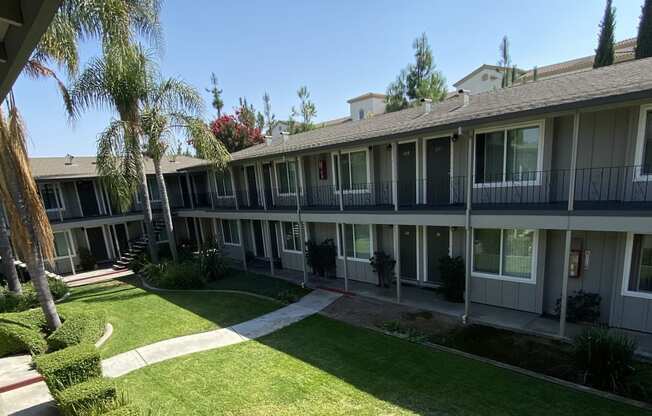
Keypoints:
(307, 112)
(269, 117)
(604, 54)
(234, 134)
(416, 81)
(644, 39)
(216, 92)
(505, 61)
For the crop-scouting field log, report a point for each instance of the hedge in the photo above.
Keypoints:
(32, 318)
(127, 410)
(84, 398)
(15, 338)
(77, 329)
(69, 366)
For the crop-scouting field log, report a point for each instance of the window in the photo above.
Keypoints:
(354, 171)
(286, 173)
(62, 247)
(507, 155)
(644, 142)
(223, 183)
(152, 189)
(507, 254)
(291, 236)
(361, 114)
(640, 275)
(358, 241)
(230, 232)
(51, 195)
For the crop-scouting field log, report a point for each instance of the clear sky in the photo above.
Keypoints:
(339, 49)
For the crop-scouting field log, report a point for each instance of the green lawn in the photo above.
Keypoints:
(260, 284)
(140, 317)
(324, 367)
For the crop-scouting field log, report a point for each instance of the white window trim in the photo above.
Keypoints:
(278, 184)
(640, 145)
(217, 189)
(223, 234)
(535, 249)
(629, 247)
(365, 190)
(57, 189)
(285, 249)
(338, 227)
(71, 247)
(505, 183)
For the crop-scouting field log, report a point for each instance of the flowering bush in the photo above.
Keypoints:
(235, 132)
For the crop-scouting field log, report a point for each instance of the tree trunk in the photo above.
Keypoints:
(147, 213)
(35, 265)
(167, 214)
(7, 254)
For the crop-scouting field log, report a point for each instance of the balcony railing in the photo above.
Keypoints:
(627, 187)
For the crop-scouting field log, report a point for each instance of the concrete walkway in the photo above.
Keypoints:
(95, 276)
(129, 361)
(35, 399)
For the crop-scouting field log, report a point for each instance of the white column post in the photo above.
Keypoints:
(268, 240)
(342, 233)
(338, 184)
(567, 242)
(263, 191)
(397, 257)
(468, 229)
(395, 175)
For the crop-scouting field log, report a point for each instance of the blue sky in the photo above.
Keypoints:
(339, 49)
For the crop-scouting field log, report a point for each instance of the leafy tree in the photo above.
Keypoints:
(307, 111)
(269, 117)
(604, 54)
(416, 81)
(234, 134)
(644, 39)
(216, 92)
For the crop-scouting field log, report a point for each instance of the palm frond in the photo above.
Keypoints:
(175, 95)
(201, 137)
(37, 69)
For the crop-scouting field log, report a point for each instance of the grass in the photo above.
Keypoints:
(259, 284)
(324, 367)
(140, 317)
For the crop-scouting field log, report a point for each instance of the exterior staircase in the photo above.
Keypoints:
(138, 246)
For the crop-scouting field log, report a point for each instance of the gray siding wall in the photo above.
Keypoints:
(514, 295)
(596, 277)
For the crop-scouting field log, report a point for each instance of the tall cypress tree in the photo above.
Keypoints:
(604, 54)
(644, 39)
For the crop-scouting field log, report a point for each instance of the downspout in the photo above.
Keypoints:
(567, 242)
(467, 227)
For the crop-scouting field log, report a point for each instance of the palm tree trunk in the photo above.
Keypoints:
(7, 254)
(35, 264)
(147, 212)
(167, 214)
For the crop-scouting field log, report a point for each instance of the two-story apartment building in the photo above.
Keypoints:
(83, 215)
(543, 188)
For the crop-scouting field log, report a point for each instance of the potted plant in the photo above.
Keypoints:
(452, 277)
(383, 265)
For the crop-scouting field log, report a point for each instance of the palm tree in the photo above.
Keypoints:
(29, 223)
(120, 82)
(172, 106)
(7, 254)
(113, 22)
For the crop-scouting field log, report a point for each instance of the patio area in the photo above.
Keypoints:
(428, 299)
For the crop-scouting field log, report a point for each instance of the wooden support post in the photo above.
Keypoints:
(242, 245)
(342, 230)
(397, 257)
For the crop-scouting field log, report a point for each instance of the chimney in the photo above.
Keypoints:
(427, 105)
(465, 96)
(285, 135)
(68, 159)
(268, 140)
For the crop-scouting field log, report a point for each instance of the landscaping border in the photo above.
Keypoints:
(108, 331)
(519, 370)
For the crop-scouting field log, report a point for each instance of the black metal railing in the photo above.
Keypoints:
(432, 193)
(613, 187)
(531, 189)
(248, 199)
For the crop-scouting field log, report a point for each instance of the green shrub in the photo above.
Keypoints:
(82, 398)
(69, 366)
(87, 260)
(604, 359)
(11, 302)
(321, 257)
(186, 275)
(139, 262)
(212, 264)
(452, 278)
(383, 265)
(86, 327)
(16, 338)
(581, 307)
(58, 288)
(128, 410)
(31, 318)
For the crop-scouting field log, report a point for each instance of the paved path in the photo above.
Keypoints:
(129, 361)
(35, 399)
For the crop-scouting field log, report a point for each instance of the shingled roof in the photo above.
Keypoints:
(84, 166)
(627, 80)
